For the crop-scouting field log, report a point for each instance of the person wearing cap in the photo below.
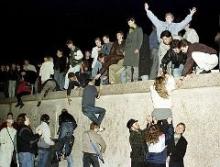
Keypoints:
(137, 143)
(44, 142)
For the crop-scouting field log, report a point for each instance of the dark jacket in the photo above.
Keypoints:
(175, 58)
(196, 47)
(177, 153)
(60, 63)
(67, 125)
(115, 55)
(133, 41)
(27, 140)
(138, 145)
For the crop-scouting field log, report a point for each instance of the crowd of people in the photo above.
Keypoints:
(158, 145)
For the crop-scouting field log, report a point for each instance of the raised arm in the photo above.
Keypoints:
(180, 26)
(156, 22)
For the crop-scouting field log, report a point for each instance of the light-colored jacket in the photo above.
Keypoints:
(191, 36)
(6, 146)
(96, 139)
(45, 139)
(161, 26)
(46, 70)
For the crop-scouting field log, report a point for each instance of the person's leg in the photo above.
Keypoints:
(155, 64)
(26, 159)
(66, 82)
(136, 73)
(95, 161)
(92, 111)
(70, 160)
(10, 89)
(86, 160)
(43, 157)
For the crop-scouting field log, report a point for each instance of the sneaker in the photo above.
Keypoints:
(21, 105)
(205, 72)
(38, 104)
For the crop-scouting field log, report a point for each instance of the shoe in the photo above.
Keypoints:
(205, 72)
(21, 105)
(38, 104)
(17, 105)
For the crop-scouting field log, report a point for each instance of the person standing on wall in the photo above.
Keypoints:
(133, 44)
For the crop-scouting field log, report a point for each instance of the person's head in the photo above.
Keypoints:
(166, 37)
(45, 118)
(175, 45)
(59, 53)
(160, 86)
(26, 62)
(10, 115)
(153, 134)
(105, 39)
(184, 45)
(87, 54)
(169, 17)
(119, 35)
(180, 128)
(22, 119)
(70, 44)
(101, 58)
(13, 66)
(94, 126)
(131, 22)
(133, 125)
(72, 76)
(98, 42)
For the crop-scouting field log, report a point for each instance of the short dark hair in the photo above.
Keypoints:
(175, 44)
(71, 75)
(120, 32)
(10, 113)
(21, 119)
(97, 38)
(131, 19)
(45, 118)
(69, 42)
(184, 43)
(101, 55)
(107, 36)
(165, 33)
(93, 125)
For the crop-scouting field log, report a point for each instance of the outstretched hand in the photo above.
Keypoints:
(146, 6)
(193, 11)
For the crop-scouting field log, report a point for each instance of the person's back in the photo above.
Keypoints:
(89, 95)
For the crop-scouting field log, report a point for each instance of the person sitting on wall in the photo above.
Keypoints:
(202, 55)
(49, 86)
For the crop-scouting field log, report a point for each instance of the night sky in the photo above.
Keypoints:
(35, 28)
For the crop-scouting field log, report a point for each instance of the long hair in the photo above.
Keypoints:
(153, 134)
(160, 86)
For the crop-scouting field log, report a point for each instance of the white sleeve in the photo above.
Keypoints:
(171, 83)
(46, 135)
(79, 55)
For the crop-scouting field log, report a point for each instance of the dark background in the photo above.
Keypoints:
(35, 28)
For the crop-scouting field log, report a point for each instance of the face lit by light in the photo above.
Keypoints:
(98, 43)
(184, 49)
(180, 129)
(105, 39)
(131, 23)
(176, 50)
(167, 40)
(169, 18)
(136, 126)
(119, 36)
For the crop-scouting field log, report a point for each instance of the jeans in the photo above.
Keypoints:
(90, 159)
(69, 161)
(43, 157)
(65, 145)
(26, 159)
(59, 77)
(11, 88)
(91, 111)
(177, 72)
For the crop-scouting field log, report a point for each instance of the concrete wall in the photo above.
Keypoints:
(197, 106)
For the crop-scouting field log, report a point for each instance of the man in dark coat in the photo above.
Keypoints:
(178, 147)
(138, 144)
(132, 49)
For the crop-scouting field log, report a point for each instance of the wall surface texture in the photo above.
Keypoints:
(198, 106)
